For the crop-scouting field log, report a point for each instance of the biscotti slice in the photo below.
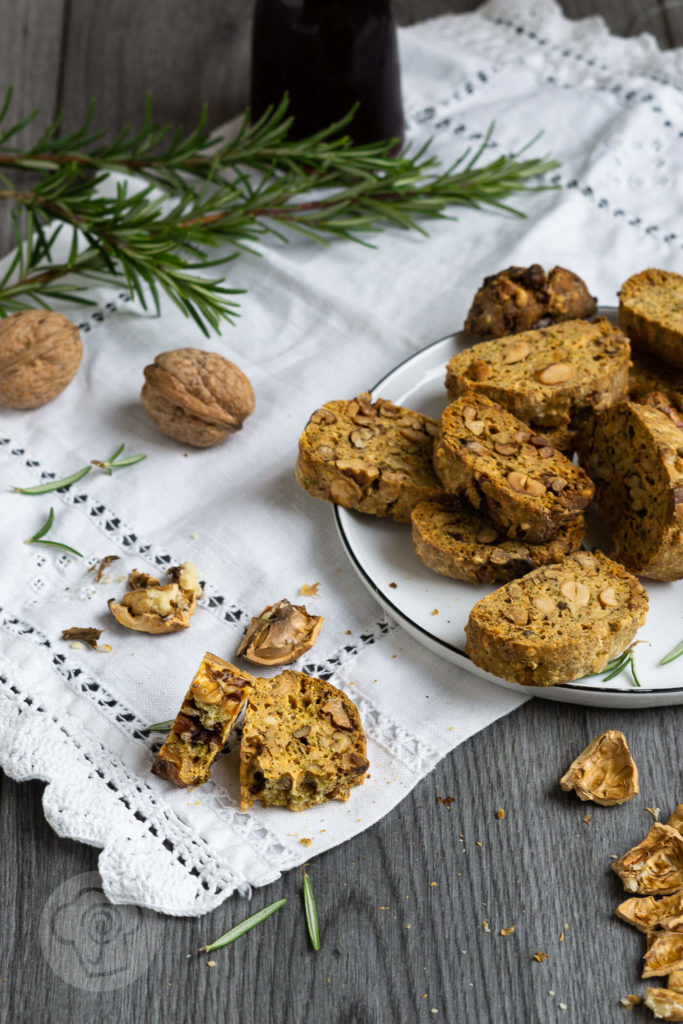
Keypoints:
(558, 623)
(651, 313)
(634, 453)
(548, 377)
(456, 540)
(375, 457)
(649, 374)
(211, 707)
(529, 489)
(522, 298)
(302, 743)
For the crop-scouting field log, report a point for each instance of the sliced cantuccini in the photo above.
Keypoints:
(211, 707)
(526, 486)
(634, 454)
(302, 743)
(456, 540)
(558, 623)
(651, 313)
(375, 457)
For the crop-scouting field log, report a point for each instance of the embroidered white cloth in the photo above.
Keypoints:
(318, 323)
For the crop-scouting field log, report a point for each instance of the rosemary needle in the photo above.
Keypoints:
(311, 911)
(160, 726)
(37, 538)
(113, 462)
(244, 926)
(673, 654)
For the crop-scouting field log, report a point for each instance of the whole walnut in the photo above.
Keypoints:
(40, 352)
(196, 397)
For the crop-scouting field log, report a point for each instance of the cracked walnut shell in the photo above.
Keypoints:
(196, 397)
(665, 1003)
(604, 772)
(150, 607)
(655, 866)
(40, 352)
(664, 953)
(280, 634)
(647, 913)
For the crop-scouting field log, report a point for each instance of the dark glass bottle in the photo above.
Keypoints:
(328, 55)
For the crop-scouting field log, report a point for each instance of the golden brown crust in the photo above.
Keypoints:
(302, 743)
(375, 457)
(650, 305)
(634, 454)
(604, 772)
(280, 634)
(40, 352)
(456, 540)
(558, 623)
(528, 488)
(209, 711)
(523, 298)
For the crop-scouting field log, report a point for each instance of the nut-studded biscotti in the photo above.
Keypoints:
(634, 453)
(651, 313)
(523, 298)
(211, 707)
(549, 377)
(375, 457)
(456, 540)
(648, 374)
(302, 743)
(558, 623)
(528, 488)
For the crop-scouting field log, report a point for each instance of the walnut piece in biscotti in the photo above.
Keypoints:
(457, 540)
(558, 623)
(209, 711)
(665, 1003)
(529, 489)
(647, 913)
(548, 378)
(374, 457)
(523, 298)
(634, 455)
(150, 607)
(302, 743)
(655, 866)
(604, 772)
(280, 634)
(651, 313)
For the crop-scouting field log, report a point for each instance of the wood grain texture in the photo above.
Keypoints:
(540, 869)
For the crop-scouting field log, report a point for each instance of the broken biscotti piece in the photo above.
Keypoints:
(522, 298)
(647, 374)
(375, 457)
(150, 607)
(604, 772)
(651, 313)
(302, 743)
(456, 540)
(634, 454)
(665, 1003)
(280, 634)
(211, 707)
(647, 913)
(547, 378)
(655, 866)
(526, 486)
(558, 623)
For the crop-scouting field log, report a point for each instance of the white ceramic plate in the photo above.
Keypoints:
(434, 609)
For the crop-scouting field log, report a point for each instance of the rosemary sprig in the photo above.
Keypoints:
(243, 927)
(37, 538)
(113, 462)
(621, 662)
(185, 191)
(160, 726)
(310, 911)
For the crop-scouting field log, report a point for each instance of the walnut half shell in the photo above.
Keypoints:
(604, 772)
(664, 953)
(280, 634)
(647, 913)
(150, 607)
(655, 866)
(665, 1003)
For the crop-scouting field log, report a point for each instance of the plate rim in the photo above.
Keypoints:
(384, 600)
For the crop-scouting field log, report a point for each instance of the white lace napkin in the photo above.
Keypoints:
(317, 323)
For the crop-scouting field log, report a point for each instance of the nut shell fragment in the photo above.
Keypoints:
(664, 953)
(665, 1003)
(654, 866)
(604, 772)
(280, 634)
(647, 913)
(149, 607)
(676, 819)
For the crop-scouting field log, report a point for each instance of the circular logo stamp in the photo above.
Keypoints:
(91, 943)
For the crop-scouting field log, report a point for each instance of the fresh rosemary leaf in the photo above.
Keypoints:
(113, 462)
(673, 654)
(37, 538)
(45, 528)
(311, 911)
(57, 544)
(245, 926)
(55, 485)
(160, 726)
(623, 661)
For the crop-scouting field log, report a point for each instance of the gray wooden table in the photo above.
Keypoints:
(402, 906)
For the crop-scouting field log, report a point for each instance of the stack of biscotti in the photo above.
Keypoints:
(548, 378)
